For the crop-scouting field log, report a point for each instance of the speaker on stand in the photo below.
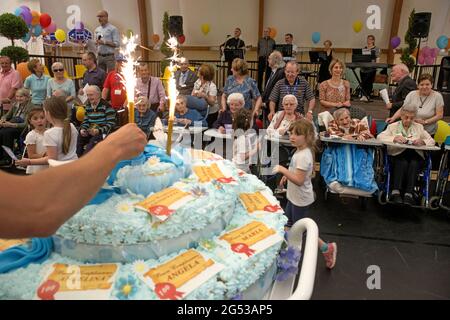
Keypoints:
(420, 27)
(176, 26)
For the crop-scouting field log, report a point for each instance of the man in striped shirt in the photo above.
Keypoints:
(295, 85)
(99, 119)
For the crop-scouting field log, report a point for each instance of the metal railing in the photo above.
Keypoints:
(309, 70)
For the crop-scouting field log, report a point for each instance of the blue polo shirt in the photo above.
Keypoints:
(38, 88)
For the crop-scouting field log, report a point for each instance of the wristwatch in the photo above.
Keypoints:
(310, 111)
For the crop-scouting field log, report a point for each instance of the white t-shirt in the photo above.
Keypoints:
(210, 89)
(35, 138)
(303, 195)
(241, 146)
(54, 138)
(426, 106)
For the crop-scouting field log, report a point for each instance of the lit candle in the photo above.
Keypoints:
(173, 43)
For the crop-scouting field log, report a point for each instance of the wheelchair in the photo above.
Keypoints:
(421, 194)
(441, 192)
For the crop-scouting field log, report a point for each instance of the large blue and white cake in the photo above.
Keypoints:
(189, 226)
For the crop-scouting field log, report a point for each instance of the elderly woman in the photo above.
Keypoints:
(204, 92)
(13, 123)
(37, 82)
(145, 117)
(60, 82)
(283, 119)
(335, 92)
(346, 127)
(235, 102)
(240, 82)
(406, 162)
(428, 103)
(186, 116)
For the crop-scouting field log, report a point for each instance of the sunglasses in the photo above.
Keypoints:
(58, 70)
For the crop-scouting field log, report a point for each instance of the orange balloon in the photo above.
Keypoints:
(36, 18)
(272, 32)
(448, 46)
(414, 53)
(155, 38)
(23, 70)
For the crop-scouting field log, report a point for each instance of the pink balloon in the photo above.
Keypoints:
(51, 28)
(421, 59)
(435, 52)
(429, 61)
(425, 51)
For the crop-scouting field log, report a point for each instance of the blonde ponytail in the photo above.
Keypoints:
(67, 136)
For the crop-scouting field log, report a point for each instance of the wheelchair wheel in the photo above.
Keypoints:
(434, 203)
(382, 199)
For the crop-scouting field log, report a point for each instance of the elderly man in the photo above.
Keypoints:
(185, 78)
(10, 81)
(292, 84)
(405, 84)
(94, 75)
(265, 47)
(107, 40)
(151, 88)
(98, 121)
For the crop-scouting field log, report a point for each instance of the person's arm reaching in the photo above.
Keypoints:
(55, 194)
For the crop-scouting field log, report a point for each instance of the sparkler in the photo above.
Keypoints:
(128, 71)
(173, 93)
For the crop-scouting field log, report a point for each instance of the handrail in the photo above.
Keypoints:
(305, 286)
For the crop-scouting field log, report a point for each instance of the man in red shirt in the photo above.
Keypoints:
(115, 92)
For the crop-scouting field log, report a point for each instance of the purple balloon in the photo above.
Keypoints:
(26, 16)
(79, 26)
(395, 42)
(26, 8)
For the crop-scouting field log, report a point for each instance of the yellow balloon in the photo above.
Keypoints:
(205, 28)
(80, 113)
(442, 131)
(60, 35)
(357, 26)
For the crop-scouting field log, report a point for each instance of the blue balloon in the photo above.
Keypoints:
(442, 42)
(18, 12)
(27, 37)
(37, 30)
(315, 37)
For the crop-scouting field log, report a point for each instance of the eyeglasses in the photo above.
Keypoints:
(58, 70)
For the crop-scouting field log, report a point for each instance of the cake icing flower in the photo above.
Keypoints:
(126, 287)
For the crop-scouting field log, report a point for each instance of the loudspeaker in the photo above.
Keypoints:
(443, 83)
(421, 24)
(176, 25)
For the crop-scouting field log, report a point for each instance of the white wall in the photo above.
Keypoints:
(33, 47)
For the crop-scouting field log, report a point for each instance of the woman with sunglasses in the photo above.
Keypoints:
(60, 82)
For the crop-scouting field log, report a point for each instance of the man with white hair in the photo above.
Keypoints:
(99, 119)
(185, 78)
(405, 84)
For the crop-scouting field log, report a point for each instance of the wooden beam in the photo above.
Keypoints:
(260, 20)
(143, 27)
(398, 5)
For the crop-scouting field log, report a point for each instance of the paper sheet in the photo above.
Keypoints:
(83, 98)
(10, 153)
(384, 95)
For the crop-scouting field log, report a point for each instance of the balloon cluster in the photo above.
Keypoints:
(38, 24)
(427, 55)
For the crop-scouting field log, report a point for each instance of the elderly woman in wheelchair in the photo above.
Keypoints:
(347, 168)
(406, 163)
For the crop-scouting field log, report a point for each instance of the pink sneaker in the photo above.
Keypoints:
(330, 255)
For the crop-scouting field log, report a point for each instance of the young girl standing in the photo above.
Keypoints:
(35, 138)
(242, 145)
(300, 194)
(61, 140)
